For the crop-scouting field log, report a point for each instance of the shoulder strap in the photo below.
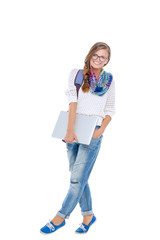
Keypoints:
(78, 80)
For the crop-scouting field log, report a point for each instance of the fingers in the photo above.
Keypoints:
(71, 140)
(76, 139)
(68, 140)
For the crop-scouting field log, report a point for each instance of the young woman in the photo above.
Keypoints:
(96, 97)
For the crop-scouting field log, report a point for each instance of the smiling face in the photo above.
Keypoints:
(99, 62)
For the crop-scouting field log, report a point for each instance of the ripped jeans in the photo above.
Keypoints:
(81, 161)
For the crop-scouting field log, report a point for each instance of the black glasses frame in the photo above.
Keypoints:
(101, 58)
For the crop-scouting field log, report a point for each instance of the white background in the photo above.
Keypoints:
(40, 42)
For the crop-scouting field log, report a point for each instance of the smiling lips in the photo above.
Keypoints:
(97, 63)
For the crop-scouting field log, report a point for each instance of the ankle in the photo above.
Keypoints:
(87, 219)
(57, 220)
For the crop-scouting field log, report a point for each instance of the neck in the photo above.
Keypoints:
(96, 71)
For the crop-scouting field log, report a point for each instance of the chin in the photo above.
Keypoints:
(96, 66)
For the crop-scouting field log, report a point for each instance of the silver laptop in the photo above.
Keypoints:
(84, 127)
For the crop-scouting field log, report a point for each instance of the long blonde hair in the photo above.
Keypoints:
(86, 70)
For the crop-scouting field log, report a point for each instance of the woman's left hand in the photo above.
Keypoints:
(97, 133)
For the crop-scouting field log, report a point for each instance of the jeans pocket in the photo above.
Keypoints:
(98, 138)
(95, 142)
(69, 146)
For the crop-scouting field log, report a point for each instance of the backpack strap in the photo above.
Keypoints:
(78, 80)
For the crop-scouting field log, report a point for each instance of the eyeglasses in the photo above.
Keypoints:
(101, 58)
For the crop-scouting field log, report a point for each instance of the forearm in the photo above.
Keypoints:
(71, 115)
(105, 123)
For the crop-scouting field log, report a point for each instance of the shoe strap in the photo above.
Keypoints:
(84, 227)
(50, 225)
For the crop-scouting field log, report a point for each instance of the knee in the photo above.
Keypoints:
(78, 181)
(74, 181)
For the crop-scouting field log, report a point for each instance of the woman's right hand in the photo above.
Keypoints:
(70, 137)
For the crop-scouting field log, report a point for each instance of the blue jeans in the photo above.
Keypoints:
(81, 161)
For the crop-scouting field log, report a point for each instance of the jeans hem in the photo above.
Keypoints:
(62, 215)
(87, 213)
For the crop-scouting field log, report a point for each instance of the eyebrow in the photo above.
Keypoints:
(100, 56)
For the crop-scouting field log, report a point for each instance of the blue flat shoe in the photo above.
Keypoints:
(84, 228)
(50, 228)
